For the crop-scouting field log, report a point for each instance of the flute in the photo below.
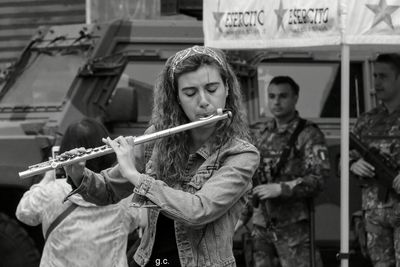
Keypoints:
(62, 160)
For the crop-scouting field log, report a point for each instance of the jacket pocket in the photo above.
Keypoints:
(200, 178)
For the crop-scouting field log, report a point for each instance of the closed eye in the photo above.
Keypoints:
(189, 91)
(212, 87)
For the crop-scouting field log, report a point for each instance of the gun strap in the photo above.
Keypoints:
(281, 162)
(286, 151)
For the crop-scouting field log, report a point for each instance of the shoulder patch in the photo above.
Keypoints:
(320, 152)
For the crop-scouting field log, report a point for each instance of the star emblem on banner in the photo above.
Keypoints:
(382, 13)
(218, 16)
(279, 15)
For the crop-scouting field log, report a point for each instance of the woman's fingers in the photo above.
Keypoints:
(120, 142)
(113, 144)
(130, 140)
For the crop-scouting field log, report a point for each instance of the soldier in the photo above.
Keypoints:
(288, 181)
(380, 129)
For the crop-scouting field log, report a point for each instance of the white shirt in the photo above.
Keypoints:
(92, 236)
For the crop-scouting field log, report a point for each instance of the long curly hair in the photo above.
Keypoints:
(173, 151)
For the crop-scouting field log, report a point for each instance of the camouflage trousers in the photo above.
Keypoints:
(383, 236)
(290, 248)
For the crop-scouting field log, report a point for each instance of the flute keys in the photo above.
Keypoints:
(54, 165)
(40, 165)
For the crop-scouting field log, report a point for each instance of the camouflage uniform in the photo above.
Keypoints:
(289, 212)
(381, 130)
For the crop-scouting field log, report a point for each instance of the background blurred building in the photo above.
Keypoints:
(20, 19)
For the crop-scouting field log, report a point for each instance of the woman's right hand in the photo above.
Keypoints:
(124, 148)
(75, 171)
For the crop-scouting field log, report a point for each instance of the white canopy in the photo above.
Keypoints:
(367, 25)
(277, 24)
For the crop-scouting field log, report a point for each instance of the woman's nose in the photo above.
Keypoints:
(204, 101)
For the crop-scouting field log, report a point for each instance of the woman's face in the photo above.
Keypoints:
(201, 92)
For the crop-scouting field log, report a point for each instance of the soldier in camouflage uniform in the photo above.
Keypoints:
(286, 230)
(380, 129)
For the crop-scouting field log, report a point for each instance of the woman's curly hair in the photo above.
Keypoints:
(173, 151)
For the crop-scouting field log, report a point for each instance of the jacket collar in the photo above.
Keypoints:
(205, 150)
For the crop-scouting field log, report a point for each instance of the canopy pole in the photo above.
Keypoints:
(344, 152)
(88, 11)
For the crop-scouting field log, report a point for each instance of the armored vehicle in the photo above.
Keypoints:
(65, 73)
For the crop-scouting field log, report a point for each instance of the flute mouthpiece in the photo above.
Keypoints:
(220, 111)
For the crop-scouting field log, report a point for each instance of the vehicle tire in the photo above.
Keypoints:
(16, 246)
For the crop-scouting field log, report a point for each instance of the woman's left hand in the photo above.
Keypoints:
(124, 149)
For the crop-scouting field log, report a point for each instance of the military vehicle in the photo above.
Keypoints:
(107, 71)
(65, 73)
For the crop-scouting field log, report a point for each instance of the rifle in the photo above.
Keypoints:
(258, 179)
(385, 169)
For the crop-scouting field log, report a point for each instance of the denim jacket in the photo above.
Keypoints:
(205, 209)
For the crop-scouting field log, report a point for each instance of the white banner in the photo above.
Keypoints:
(235, 24)
(373, 22)
(260, 24)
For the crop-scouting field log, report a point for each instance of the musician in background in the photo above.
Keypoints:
(195, 181)
(89, 235)
(380, 129)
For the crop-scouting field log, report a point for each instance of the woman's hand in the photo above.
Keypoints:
(124, 149)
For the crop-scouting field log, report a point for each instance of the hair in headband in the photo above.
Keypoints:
(195, 50)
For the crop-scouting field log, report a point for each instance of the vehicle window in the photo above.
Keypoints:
(143, 75)
(319, 87)
(43, 81)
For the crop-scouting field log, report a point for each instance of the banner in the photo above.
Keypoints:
(235, 24)
(372, 22)
(260, 24)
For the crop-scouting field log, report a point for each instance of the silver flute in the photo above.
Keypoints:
(65, 160)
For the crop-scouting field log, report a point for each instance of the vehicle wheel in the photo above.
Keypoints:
(16, 246)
